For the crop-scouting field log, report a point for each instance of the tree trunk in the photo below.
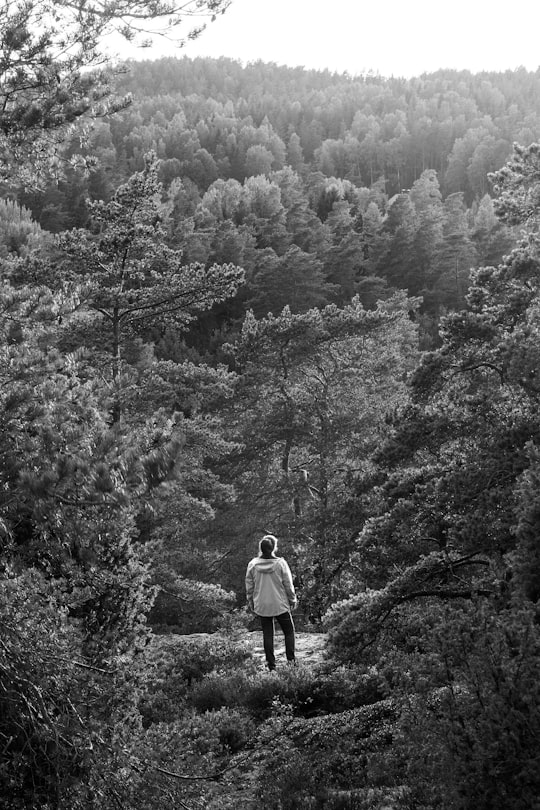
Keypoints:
(116, 410)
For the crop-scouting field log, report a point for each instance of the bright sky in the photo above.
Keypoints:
(390, 37)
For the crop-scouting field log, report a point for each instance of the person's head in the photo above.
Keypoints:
(268, 546)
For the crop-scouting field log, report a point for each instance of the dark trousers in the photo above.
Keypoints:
(287, 625)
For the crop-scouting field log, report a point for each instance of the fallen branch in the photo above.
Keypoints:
(89, 666)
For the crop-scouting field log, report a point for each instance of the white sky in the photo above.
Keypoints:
(390, 37)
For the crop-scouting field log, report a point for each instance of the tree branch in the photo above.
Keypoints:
(475, 366)
(446, 593)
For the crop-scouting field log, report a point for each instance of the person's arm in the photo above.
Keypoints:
(286, 578)
(250, 585)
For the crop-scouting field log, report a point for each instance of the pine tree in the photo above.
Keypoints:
(456, 255)
(344, 257)
(295, 279)
(426, 198)
(130, 280)
(313, 391)
(398, 263)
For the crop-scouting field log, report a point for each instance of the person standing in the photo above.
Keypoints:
(271, 595)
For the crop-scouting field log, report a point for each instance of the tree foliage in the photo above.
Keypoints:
(449, 600)
(313, 390)
(105, 459)
(129, 278)
(52, 68)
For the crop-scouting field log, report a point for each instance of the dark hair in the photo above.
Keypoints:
(268, 545)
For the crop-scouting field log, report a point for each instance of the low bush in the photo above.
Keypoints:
(175, 663)
(306, 691)
(332, 762)
(245, 687)
(338, 688)
(253, 690)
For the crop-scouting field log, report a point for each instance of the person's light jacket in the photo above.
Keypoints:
(269, 586)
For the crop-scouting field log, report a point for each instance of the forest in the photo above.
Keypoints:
(239, 299)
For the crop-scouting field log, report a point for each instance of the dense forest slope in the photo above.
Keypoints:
(458, 123)
(354, 185)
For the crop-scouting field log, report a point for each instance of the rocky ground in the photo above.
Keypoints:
(309, 647)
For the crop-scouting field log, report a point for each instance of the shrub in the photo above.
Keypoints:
(177, 764)
(175, 663)
(191, 606)
(245, 687)
(474, 741)
(338, 688)
(305, 691)
(333, 762)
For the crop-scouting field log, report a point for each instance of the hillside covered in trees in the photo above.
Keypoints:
(251, 299)
(374, 184)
